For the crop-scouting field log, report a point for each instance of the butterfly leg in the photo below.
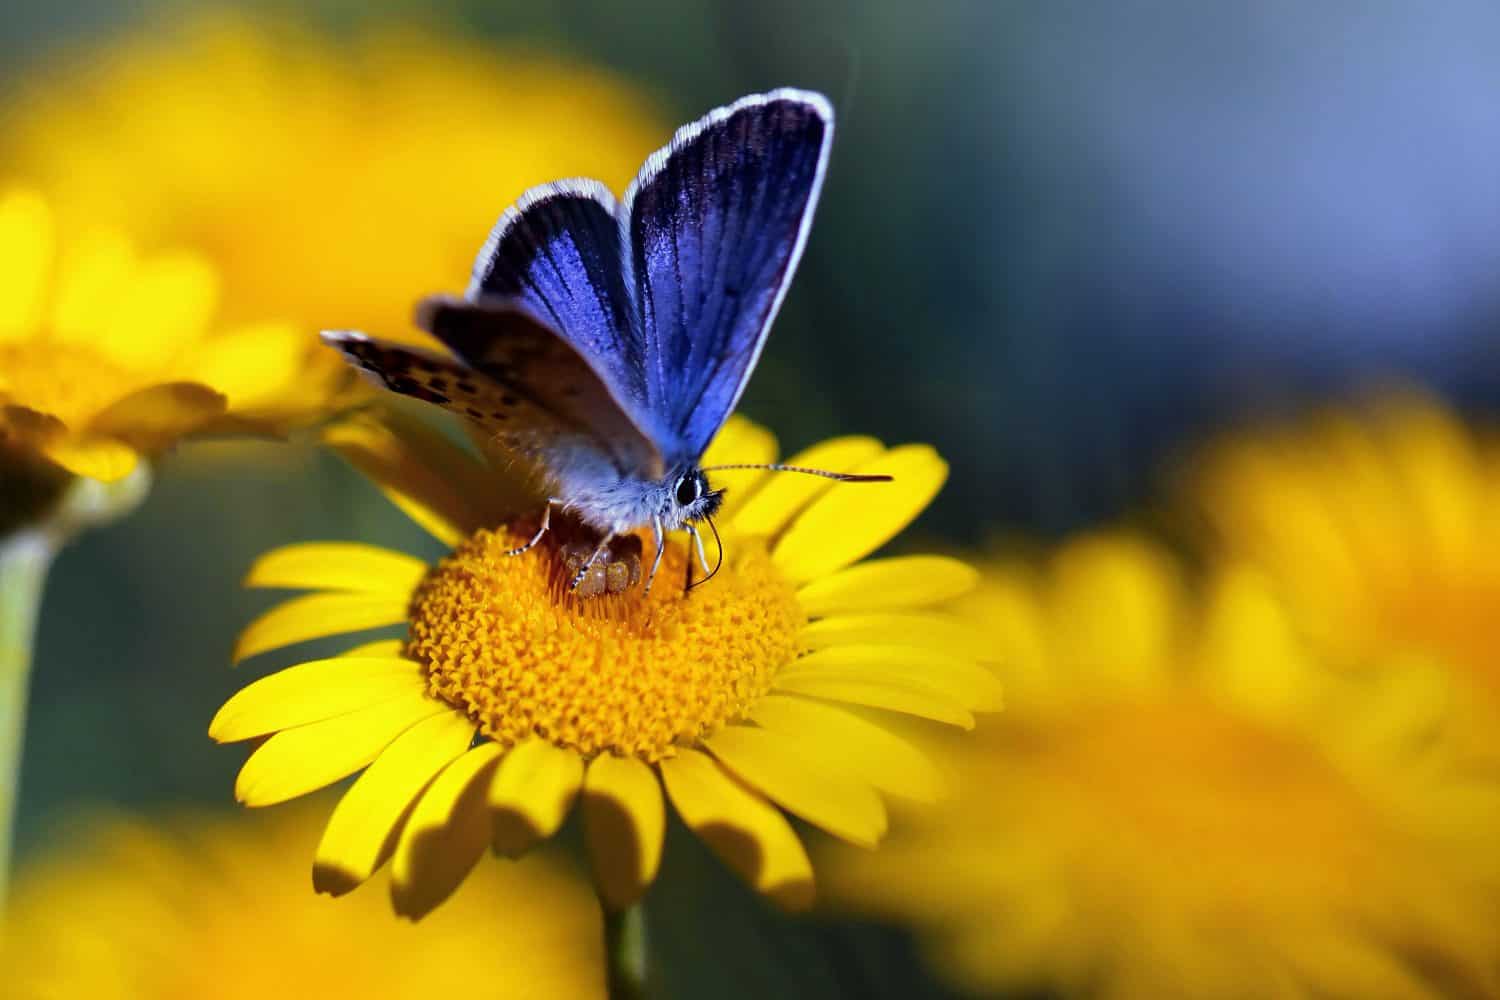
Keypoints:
(546, 521)
(692, 529)
(661, 546)
(588, 563)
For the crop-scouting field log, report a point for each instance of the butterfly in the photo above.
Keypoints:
(601, 345)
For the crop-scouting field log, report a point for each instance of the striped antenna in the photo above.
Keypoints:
(841, 477)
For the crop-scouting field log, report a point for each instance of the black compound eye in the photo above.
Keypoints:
(689, 489)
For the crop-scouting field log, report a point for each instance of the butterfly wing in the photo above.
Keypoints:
(714, 226)
(519, 382)
(557, 250)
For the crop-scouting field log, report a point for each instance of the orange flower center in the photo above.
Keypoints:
(631, 674)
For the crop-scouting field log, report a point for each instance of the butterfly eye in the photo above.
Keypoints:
(689, 488)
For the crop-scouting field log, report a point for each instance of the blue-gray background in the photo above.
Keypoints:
(1059, 239)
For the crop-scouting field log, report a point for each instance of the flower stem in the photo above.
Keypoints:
(24, 559)
(26, 553)
(625, 952)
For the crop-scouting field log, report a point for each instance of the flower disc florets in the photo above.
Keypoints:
(631, 674)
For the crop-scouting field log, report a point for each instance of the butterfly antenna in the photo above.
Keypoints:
(718, 544)
(840, 477)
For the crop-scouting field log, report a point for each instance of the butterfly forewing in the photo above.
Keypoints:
(714, 226)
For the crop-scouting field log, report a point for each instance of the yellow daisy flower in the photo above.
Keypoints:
(511, 699)
(108, 355)
(1381, 528)
(331, 183)
(1180, 802)
(199, 907)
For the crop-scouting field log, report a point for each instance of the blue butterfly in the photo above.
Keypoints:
(600, 346)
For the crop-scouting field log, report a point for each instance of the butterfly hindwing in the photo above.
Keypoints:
(714, 226)
(523, 389)
(432, 378)
(504, 342)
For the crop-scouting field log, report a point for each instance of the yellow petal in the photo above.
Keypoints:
(312, 692)
(317, 615)
(783, 494)
(739, 442)
(624, 823)
(447, 509)
(852, 520)
(337, 566)
(532, 793)
(252, 365)
(166, 306)
(297, 761)
(93, 458)
(888, 584)
(961, 680)
(445, 835)
(94, 271)
(1116, 611)
(845, 808)
(944, 633)
(748, 833)
(844, 743)
(890, 695)
(26, 252)
(362, 830)
(156, 418)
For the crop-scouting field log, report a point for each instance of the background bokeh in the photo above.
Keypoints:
(1061, 240)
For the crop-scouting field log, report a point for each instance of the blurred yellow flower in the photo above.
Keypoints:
(332, 184)
(511, 698)
(1381, 529)
(108, 355)
(1178, 802)
(203, 907)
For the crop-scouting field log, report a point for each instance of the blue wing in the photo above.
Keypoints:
(714, 226)
(557, 250)
(669, 296)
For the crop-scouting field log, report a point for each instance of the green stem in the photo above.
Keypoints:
(625, 952)
(25, 556)
(24, 559)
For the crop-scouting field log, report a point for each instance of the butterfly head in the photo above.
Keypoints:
(692, 497)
